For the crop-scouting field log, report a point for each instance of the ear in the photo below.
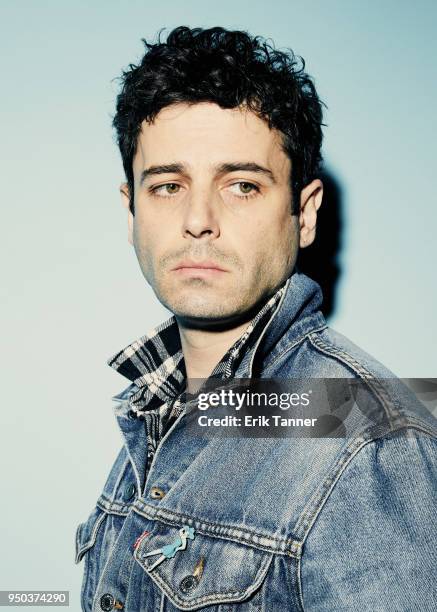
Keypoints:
(310, 201)
(125, 200)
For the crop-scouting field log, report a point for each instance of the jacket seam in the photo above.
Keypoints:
(299, 584)
(113, 507)
(129, 456)
(122, 473)
(290, 548)
(80, 550)
(319, 504)
(329, 485)
(294, 344)
(344, 357)
(321, 495)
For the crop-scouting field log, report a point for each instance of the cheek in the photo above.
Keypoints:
(275, 245)
(145, 242)
(269, 237)
(146, 232)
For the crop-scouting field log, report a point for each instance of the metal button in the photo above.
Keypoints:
(188, 583)
(107, 602)
(129, 492)
(156, 493)
(131, 414)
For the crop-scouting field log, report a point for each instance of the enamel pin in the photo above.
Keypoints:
(169, 550)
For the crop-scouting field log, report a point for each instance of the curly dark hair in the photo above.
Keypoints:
(231, 69)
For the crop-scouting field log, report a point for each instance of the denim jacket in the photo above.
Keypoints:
(281, 524)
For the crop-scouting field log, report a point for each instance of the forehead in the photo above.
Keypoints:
(204, 134)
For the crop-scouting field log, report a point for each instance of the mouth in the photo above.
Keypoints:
(204, 267)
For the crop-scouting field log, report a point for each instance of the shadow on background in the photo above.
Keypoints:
(320, 261)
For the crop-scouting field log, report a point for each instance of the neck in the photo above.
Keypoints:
(203, 349)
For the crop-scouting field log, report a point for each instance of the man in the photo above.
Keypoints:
(220, 138)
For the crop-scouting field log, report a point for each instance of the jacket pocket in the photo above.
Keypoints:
(86, 532)
(210, 571)
(86, 546)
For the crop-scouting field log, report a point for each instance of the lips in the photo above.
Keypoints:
(198, 265)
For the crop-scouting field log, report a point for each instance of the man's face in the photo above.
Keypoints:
(211, 187)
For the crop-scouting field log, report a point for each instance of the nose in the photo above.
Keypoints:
(200, 216)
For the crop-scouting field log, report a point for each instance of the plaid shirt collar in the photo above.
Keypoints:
(155, 362)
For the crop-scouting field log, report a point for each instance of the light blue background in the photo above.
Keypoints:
(72, 290)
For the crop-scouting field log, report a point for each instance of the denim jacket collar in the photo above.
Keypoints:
(297, 315)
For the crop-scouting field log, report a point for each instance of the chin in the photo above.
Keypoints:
(200, 312)
(200, 301)
(200, 308)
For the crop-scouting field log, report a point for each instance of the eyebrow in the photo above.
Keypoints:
(163, 169)
(245, 166)
(221, 169)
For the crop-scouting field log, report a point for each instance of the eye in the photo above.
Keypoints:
(244, 189)
(166, 190)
